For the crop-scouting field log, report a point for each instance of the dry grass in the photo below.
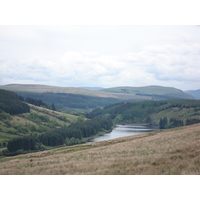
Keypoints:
(175, 151)
(72, 90)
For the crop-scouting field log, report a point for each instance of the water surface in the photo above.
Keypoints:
(124, 130)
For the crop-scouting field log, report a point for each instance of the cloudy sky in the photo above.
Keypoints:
(101, 56)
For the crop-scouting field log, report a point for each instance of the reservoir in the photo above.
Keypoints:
(124, 130)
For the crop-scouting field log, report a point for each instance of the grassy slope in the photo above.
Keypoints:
(150, 90)
(172, 151)
(176, 112)
(54, 89)
(117, 92)
(9, 131)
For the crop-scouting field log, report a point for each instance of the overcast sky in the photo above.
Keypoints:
(101, 56)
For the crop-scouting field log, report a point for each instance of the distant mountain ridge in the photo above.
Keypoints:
(195, 93)
(140, 93)
(57, 89)
(156, 92)
(92, 88)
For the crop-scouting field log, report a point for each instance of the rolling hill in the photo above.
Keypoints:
(176, 111)
(168, 151)
(38, 120)
(74, 99)
(164, 152)
(154, 92)
(19, 119)
(46, 88)
(194, 93)
(26, 128)
(147, 92)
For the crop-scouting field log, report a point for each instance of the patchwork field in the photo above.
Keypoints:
(170, 152)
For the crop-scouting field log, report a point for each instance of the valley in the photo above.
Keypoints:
(76, 100)
(163, 152)
(42, 140)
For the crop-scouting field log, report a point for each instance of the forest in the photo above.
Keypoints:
(66, 135)
(66, 100)
(163, 113)
(51, 135)
(10, 103)
(151, 112)
(38, 102)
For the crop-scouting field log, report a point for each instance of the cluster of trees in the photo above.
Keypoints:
(63, 100)
(98, 120)
(68, 135)
(83, 129)
(41, 120)
(38, 102)
(163, 123)
(38, 118)
(130, 112)
(171, 123)
(174, 122)
(192, 121)
(140, 112)
(25, 143)
(35, 102)
(10, 103)
(72, 141)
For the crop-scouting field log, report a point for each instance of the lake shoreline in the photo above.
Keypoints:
(123, 130)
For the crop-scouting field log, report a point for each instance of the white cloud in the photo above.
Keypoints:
(163, 65)
(101, 56)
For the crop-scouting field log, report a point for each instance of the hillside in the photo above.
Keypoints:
(74, 100)
(168, 152)
(176, 111)
(43, 129)
(38, 120)
(39, 128)
(155, 92)
(19, 119)
(10, 103)
(71, 102)
(195, 93)
(147, 92)
(55, 89)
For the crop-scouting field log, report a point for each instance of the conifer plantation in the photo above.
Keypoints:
(51, 142)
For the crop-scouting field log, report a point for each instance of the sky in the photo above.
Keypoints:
(101, 56)
(102, 43)
(90, 46)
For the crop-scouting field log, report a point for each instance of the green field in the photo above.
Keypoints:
(39, 120)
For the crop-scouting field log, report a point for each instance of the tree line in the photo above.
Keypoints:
(68, 135)
(140, 112)
(174, 122)
(171, 123)
(10, 103)
(63, 100)
(38, 102)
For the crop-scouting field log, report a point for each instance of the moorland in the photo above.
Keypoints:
(46, 135)
(164, 152)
